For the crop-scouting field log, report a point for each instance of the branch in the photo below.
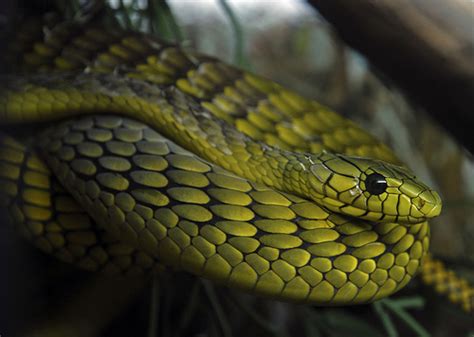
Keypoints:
(425, 47)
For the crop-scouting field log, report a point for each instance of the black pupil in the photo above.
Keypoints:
(375, 183)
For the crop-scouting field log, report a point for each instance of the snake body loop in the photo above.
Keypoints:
(155, 203)
(227, 175)
(334, 181)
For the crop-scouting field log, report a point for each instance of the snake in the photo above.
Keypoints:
(140, 157)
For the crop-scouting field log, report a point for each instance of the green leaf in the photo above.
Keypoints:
(385, 318)
(342, 324)
(406, 317)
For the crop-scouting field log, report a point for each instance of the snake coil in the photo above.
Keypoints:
(225, 174)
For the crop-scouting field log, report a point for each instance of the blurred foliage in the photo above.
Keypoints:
(289, 43)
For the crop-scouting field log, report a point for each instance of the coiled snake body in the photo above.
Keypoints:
(227, 175)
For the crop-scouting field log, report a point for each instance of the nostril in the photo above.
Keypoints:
(422, 202)
(419, 202)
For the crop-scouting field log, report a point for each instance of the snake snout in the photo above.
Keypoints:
(428, 203)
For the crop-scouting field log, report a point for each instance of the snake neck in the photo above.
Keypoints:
(287, 171)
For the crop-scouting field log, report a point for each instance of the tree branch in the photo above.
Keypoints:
(425, 47)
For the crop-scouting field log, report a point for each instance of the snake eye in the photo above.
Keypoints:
(375, 184)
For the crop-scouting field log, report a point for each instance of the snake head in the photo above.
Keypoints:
(371, 189)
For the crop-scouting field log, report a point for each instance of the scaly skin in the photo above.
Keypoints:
(155, 202)
(290, 249)
(335, 181)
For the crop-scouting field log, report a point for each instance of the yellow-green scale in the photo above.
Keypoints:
(227, 229)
